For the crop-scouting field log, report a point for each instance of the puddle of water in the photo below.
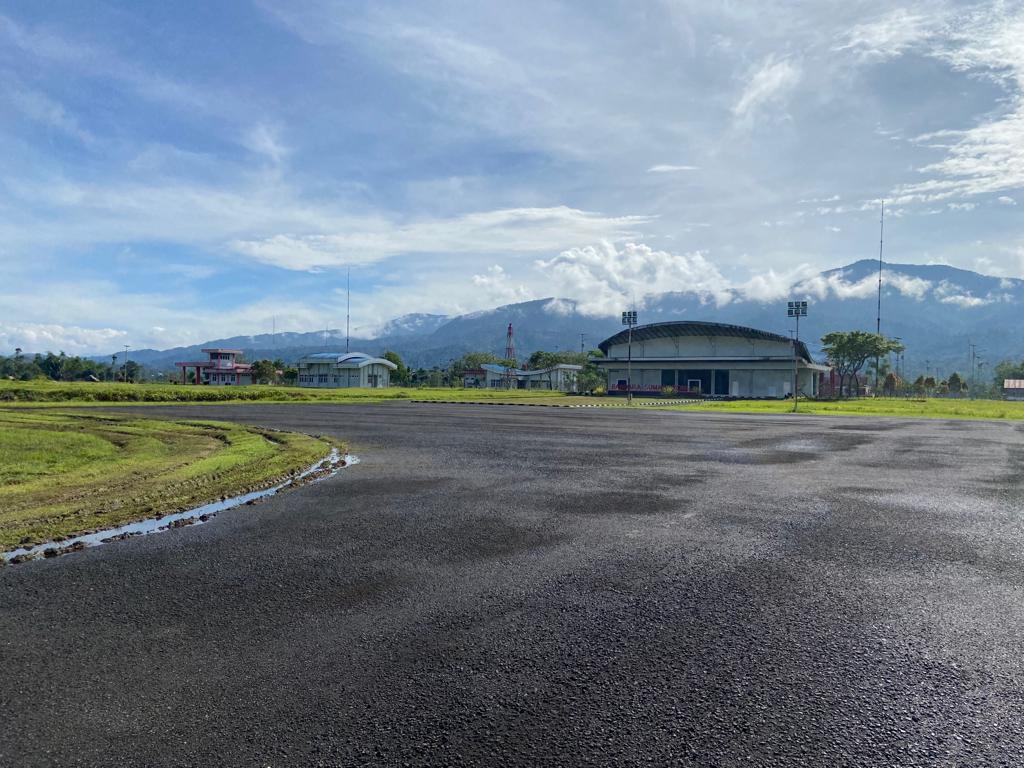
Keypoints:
(331, 464)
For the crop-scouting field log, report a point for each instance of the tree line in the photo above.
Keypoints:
(62, 367)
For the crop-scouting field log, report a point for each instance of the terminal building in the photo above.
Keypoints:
(222, 368)
(344, 369)
(697, 358)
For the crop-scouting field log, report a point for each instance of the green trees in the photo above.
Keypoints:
(848, 351)
(1006, 370)
(263, 372)
(58, 367)
(401, 375)
(955, 384)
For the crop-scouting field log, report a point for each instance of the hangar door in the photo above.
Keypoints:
(695, 380)
(721, 383)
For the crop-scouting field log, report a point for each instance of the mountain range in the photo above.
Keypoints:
(937, 311)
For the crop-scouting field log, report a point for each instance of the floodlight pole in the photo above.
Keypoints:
(796, 363)
(796, 309)
(629, 320)
(125, 363)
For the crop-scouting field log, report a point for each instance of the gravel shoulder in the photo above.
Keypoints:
(527, 586)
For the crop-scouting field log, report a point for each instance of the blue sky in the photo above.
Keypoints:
(174, 172)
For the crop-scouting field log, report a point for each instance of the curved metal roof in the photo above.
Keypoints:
(345, 359)
(697, 328)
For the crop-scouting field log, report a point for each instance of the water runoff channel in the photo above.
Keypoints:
(329, 466)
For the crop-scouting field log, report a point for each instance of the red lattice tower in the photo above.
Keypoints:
(510, 357)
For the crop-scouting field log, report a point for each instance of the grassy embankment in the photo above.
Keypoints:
(935, 408)
(75, 393)
(63, 473)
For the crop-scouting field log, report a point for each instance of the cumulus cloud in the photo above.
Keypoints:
(772, 285)
(951, 293)
(53, 337)
(966, 301)
(495, 286)
(769, 83)
(1006, 200)
(605, 278)
(835, 284)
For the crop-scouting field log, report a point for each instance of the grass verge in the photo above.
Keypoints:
(936, 408)
(80, 392)
(66, 473)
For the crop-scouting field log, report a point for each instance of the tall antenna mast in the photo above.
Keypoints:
(510, 357)
(878, 317)
(348, 305)
(881, 233)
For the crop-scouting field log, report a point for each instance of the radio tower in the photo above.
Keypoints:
(510, 357)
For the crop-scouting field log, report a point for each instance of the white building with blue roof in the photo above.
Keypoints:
(344, 369)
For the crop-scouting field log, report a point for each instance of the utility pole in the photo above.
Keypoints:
(898, 381)
(796, 310)
(348, 306)
(878, 316)
(125, 363)
(629, 320)
(972, 346)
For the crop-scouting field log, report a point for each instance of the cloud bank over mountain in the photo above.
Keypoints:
(459, 156)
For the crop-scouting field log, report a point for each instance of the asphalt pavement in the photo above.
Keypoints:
(540, 586)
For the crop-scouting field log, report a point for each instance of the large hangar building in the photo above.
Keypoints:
(699, 358)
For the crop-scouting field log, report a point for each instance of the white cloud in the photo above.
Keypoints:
(1006, 200)
(961, 206)
(514, 230)
(605, 278)
(40, 108)
(966, 301)
(988, 157)
(53, 337)
(836, 284)
(671, 168)
(264, 140)
(892, 34)
(560, 307)
(769, 83)
(771, 286)
(497, 287)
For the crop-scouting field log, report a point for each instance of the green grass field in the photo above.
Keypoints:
(74, 393)
(935, 408)
(64, 473)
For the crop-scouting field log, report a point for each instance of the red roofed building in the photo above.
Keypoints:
(221, 369)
